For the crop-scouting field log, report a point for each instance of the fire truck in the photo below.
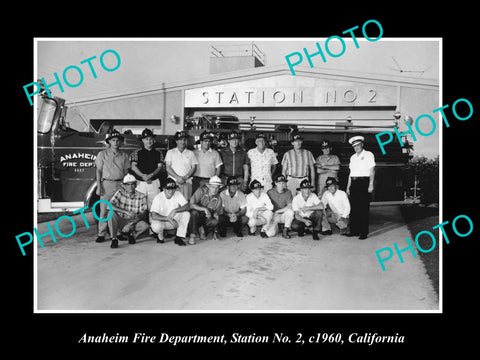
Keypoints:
(66, 157)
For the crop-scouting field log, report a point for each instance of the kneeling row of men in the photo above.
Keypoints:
(212, 211)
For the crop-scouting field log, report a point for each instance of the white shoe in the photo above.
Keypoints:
(201, 232)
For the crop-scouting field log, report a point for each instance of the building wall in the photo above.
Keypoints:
(415, 102)
(232, 63)
(173, 106)
(160, 105)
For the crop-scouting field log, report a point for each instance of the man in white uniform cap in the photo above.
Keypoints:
(360, 187)
(130, 212)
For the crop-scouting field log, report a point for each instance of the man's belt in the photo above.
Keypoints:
(111, 179)
(237, 176)
(359, 177)
(297, 177)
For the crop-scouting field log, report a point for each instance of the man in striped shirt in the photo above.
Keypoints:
(298, 164)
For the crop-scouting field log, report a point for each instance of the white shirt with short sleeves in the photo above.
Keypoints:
(254, 203)
(360, 164)
(260, 165)
(208, 162)
(181, 162)
(163, 206)
(337, 202)
(299, 202)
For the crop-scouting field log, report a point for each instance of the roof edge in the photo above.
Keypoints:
(248, 74)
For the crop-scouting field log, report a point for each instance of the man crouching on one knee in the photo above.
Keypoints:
(170, 211)
(337, 208)
(129, 212)
(308, 210)
(259, 209)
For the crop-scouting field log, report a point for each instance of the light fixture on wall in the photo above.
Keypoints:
(252, 123)
(396, 115)
(174, 119)
(408, 119)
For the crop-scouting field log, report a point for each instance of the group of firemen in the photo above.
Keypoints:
(207, 191)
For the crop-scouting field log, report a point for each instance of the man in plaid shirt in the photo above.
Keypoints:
(130, 212)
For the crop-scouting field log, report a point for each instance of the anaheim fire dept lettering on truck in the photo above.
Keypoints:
(66, 160)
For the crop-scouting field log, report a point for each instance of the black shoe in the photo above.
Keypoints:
(362, 237)
(251, 233)
(131, 239)
(179, 241)
(160, 241)
(315, 235)
(114, 244)
(263, 234)
(239, 234)
(100, 239)
(123, 237)
(326, 232)
(350, 234)
(286, 233)
(300, 233)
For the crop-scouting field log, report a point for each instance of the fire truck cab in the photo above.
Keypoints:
(66, 157)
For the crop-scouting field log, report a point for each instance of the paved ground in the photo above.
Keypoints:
(252, 273)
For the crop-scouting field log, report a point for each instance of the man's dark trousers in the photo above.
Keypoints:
(224, 221)
(360, 204)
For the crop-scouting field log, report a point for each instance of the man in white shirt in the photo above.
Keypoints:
(360, 187)
(259, 209)
(262, 161)
(307, 209)
(181, 164)
(337, 207)
(170, 211)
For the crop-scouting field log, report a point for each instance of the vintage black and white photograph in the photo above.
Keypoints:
(238, 174)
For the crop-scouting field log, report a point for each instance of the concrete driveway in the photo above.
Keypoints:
(249, 273)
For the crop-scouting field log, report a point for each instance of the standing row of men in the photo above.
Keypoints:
(190, 171)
